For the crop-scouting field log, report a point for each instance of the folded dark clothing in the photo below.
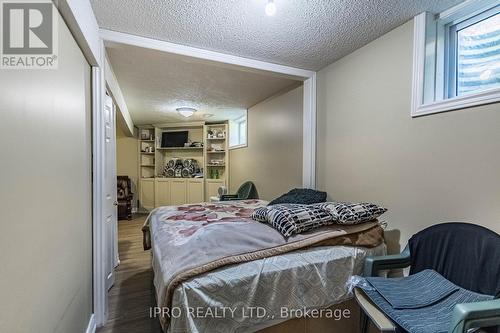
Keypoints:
(302, 196)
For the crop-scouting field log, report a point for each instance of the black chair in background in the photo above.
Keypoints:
(246, 191)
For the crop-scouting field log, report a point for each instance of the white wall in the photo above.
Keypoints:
(273, 158)
(127, 160)
(122, 114)
(45, 195)
(442, 167)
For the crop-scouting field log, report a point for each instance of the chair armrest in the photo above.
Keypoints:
(228, 197)
(375, 264)
(376, 315)
(473, 315)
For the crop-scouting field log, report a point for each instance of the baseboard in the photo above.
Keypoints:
(91, 328)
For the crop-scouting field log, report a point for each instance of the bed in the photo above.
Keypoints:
(217, 270)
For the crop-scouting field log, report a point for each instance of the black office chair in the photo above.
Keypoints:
(246, 191)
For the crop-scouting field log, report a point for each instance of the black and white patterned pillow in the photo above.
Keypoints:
(292, 219)
(352, 213)
(260, 214)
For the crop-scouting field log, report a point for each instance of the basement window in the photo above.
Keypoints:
(475, 46)
(238, 132)
(457, 58)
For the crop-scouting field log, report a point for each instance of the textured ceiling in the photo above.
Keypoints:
(155, 83)
(307, 34)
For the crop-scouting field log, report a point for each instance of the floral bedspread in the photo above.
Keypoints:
(190, 240)
(188, 221)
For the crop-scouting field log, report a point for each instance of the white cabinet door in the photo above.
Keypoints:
(162, 192)
(213, 187)
(195, 191)
(178, 192)
(147, 194)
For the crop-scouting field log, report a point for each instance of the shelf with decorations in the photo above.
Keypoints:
(183, 159)
(216, 158)
(183, 148)
(146, 149)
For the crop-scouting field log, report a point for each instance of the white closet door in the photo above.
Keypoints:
(110, 207)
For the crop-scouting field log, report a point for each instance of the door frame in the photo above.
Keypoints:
(79, 17)
(98, 224)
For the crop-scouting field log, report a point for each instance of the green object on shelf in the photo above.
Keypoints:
(216, 173)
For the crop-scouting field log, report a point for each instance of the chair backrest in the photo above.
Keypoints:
(247, 191)
(124, 186)
(464, 253)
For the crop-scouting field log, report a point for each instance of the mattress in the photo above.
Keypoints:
(250, 296)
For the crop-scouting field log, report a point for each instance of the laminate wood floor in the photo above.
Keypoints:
(132, 294)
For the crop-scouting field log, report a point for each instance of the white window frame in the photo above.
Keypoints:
(432, 68)
(238, 121)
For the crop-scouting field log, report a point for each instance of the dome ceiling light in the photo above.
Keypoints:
(186, 112)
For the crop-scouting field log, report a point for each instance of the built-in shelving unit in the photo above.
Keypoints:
(156, 189)
(165, 154)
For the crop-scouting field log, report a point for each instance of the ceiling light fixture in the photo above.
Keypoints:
(208, 115)
(270, 8)
(186, 112)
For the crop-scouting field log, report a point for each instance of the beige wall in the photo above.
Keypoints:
(45, 195)
(273, 158)
(442, 167)
(127, 155)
